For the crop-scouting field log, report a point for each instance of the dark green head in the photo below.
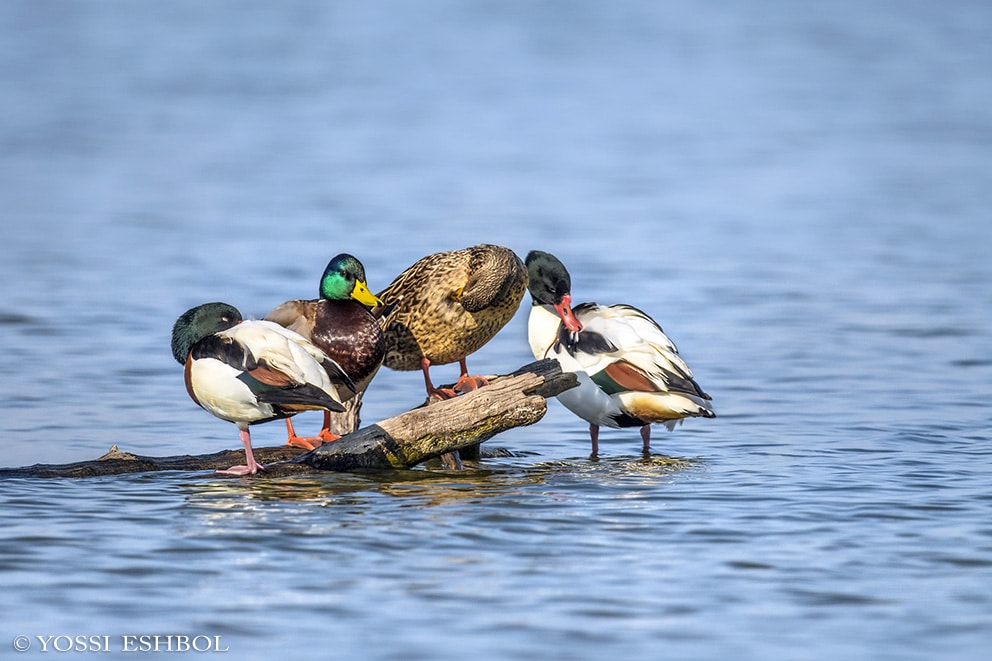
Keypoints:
(200, 322)
(548, 279)
(344, 278)
(550, 284)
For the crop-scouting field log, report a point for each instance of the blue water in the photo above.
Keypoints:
(799, 194)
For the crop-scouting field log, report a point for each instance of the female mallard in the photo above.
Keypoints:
(630, 374)
(248, 372)
(446, 306)
(340, 325)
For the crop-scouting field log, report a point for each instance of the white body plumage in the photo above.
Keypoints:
(629, 348)
(221, 389)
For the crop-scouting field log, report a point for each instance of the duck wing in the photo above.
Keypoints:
(297, 315)
(284, 356)
(626, 345)
(493, 273)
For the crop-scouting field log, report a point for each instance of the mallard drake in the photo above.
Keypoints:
(340, 325)
(630, 374)
(249, 372)
(447, 306)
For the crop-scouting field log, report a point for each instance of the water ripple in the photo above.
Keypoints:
(800, 197)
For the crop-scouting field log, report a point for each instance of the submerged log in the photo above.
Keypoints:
(408, 439)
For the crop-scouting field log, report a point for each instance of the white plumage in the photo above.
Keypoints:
(218, 388)
(248, 372)
(630, 373)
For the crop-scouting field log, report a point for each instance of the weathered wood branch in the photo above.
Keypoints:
(408, 439)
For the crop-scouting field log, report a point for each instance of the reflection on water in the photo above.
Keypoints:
(428, 488)
(798, 194)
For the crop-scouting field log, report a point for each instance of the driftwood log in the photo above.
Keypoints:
(408, 439)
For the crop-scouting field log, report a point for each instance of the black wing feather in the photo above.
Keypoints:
(225, 350)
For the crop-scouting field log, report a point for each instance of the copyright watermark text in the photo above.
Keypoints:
(138, 643)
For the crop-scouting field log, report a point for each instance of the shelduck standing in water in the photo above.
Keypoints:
(630, 374)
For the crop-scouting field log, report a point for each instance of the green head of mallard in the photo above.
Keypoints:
(344, 278)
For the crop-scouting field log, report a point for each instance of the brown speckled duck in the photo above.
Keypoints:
(447, 306)
(340, 325)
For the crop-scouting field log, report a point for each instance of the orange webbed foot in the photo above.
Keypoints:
(468, 383)
(306, 442)
(327, 436)
(440, 394)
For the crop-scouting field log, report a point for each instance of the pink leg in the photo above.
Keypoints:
(646, 437)
(252, 466)
(594, 435)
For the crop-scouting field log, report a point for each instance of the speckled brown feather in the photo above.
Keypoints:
(449, 304)
(344, 330)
